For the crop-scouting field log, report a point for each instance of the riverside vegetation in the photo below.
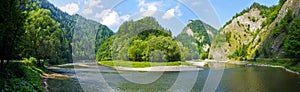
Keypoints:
(34, 34)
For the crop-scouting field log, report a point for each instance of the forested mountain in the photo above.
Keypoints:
(141, 40)
(67, 25)
(197, 37)
(34, 33)
(44, 32)
(260, 32)
(87, 36)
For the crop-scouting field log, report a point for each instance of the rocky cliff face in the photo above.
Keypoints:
(248, 34)
(197, 37)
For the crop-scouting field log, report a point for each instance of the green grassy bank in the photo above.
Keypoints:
(21, 77)
(141, 64)
(287, 63)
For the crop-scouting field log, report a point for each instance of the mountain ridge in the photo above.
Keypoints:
(68, 24)
(197, 37)
(248, 33)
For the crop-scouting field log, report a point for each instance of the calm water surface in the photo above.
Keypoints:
(235, 79)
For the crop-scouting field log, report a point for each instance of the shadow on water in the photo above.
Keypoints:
(64, 85)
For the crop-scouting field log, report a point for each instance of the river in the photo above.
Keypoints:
(235, 78)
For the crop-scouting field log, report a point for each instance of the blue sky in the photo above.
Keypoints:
(171, 14)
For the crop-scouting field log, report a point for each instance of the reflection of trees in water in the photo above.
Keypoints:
(162, 84)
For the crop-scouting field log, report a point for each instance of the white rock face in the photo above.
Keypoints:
(189, 31)
(206, 47)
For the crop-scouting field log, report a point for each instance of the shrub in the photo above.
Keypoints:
(30, 61)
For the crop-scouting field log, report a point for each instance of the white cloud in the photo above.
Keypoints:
(90, 5)
(111, 18)
(171, 13)
(103, 13)
(70, 8)
(87, 11)
(93, 3)
(148, 9)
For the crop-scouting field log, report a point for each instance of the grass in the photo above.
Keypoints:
(19, 77)
(141, 64)
(287, 63)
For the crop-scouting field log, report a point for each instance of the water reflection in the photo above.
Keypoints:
(235, 79)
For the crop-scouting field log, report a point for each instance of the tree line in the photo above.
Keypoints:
(36, 28)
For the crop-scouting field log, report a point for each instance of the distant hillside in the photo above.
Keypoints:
(258, 32)
(141, 40)
(197, 37)
(70, 22)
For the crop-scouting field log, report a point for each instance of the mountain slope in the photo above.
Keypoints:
(68, 23)
(250, 34)
(141, 40)
(197, 36)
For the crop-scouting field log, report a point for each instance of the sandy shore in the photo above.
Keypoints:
(160, 68)
(199, 64)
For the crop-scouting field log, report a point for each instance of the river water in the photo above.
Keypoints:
(235, 78)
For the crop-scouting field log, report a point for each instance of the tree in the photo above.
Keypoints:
(292, 42)
(204, 55)
(167, 45)
(138, 51)
(157, 56)
(11, 29)
(41, 37)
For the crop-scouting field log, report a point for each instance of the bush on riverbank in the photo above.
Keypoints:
(21, 77)
(141, 64)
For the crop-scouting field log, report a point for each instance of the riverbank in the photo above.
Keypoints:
(19, 76)
(284, 64)
(159, 68)
(24, 76)
(132, 64)
(153, 66)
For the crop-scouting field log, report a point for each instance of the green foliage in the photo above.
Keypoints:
(218, 40)
(228, 36)
(153, 45)
(126, 33)
(30, 61)
(138, 51)
(271, 13)
(139, 41)
(283, 26)
(167, 45)
(292, 42)
(287, 63)
(141, 64)
(11, 28)
(187, 42)
(183, 51)
(39, 30)
(104, 51)
(157, 56)
(69, 23)
(199, 39)
(41, 39)
(240, 53)
(204, 55)
(19, 77)
(103, 34)
(131, 41)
